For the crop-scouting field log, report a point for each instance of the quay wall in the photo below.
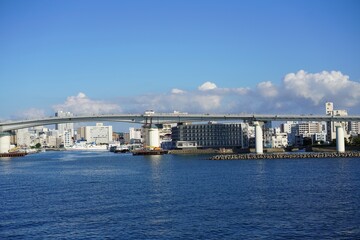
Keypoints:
(286, 156)
(193, 151)
(14, 154)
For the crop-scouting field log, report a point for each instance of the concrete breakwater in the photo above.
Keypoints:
(285, 156)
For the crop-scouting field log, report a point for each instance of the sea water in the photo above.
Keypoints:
(102, 195)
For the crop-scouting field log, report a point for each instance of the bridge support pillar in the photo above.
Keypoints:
(340, 142)
(258, 138)
(152, 138)
(4, 142)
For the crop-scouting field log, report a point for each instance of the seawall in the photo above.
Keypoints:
(286, 156)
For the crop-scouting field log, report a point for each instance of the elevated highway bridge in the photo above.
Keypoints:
(160, 118)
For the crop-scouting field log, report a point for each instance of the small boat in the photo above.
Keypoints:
(121, 149)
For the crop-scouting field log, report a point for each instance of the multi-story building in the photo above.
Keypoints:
(331, 126)
(23, 137)
(126, 137)
(319, 137)
(212, 135)
(66, 130)
(98, 134)
(299, 131)
(286, 127)
(279, 140)
(354, 128)
(275, 138)
(135, 135)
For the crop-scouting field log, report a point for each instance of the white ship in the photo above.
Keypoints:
(84, 146)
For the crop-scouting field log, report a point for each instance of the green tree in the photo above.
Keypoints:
(355, 140)
(307, 141)
(38, 145)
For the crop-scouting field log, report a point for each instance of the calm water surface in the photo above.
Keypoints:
(82, 195)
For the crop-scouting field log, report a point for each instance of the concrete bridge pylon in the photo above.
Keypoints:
(340, 141)
(4, 142)
(258, 138)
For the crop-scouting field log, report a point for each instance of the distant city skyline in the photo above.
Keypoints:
(192, 56)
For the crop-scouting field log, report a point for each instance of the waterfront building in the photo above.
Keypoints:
(313, 130)
(286, 127)
(68, 138)
(135, 135)
(165, 132)
(319, 137)
(274, 138)
(121, 137)
(211, 135)
(66, 130)
(354, 128)
(98, 134)
(331, 126)
(53, 142)
(116, 137)
(279, 140)
(23, 137)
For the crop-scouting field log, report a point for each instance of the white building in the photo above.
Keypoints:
(68, 138)
(354, 128)
(98, 134)
(66, 130)
(23, 138)
(286, 127)
(135, 134)
(275, 138)
(279, 140)
(331, 126)
(319, 137)
(313, 130)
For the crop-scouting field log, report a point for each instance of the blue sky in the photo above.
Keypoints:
(128, 56)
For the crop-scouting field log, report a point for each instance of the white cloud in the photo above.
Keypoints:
(267, 89)
(81, 104)
(207, 86)
(241, 91)
(177, 91)
(297, 93)
(323, 86)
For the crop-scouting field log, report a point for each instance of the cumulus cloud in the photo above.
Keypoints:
(81, 104)
(299, 93)
(267, 89)
(207, 86)
(319, 87)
